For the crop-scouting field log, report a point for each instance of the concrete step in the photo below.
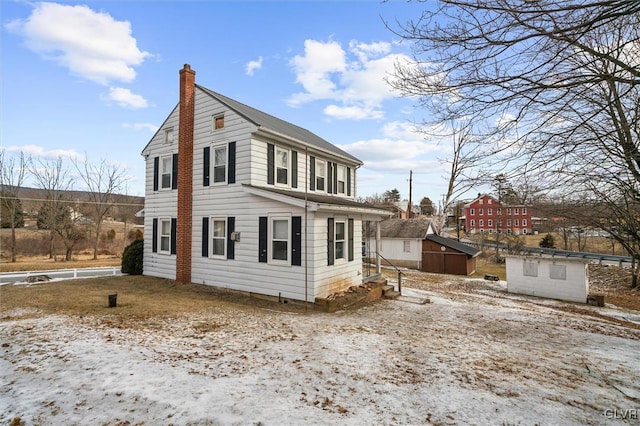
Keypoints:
(391, 294)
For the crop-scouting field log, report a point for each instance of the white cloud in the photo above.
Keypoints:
(90, 44)
(352, 112)
(38, 151)
(125, 98)
(356, 79)
(252, 66)
(141, 126)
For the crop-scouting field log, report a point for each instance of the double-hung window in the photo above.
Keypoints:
(340, 240)
(282, 166)
(218, 236)
(165, 236)
(280, 239)
(167, 170)
(220, 164)
(321, 172)
(342, 177)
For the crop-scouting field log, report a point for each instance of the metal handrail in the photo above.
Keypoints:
(397, 270)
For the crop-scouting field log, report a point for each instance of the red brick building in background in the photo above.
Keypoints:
(486, 214)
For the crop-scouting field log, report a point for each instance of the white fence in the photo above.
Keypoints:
(58, 274)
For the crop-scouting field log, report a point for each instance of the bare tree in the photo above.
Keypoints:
(52, 176)
(12, 175)
(551, 86)
(103, 183)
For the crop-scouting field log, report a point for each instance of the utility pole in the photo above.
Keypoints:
(410, 189)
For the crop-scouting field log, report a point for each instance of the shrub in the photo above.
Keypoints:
(548, 242)
(134, 234)
(133, 257)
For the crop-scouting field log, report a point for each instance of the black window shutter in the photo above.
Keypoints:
(271, 154)
(294, 169)
(174, 232)
(330, 242)
(205, 237)
(156, 166)
(154, 236)
(231, 245)
(174, 178)
(207, 166)
(262, 239)
(329, 177)
(231, 178)
(335, 178)
(348, 182)
(350, 233)
(312, 173)
(296, 240)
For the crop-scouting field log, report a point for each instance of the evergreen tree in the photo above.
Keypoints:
(548, 242)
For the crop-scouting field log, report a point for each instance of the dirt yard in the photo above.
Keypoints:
(171, 354)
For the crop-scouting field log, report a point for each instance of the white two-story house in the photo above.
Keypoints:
(239, 199)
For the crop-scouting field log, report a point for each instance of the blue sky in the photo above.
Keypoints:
(96, 79)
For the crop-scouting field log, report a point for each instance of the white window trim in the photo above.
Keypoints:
(524, 210)
(213, 163)
(162, 173)
(212, 237)
(473, 211)
(162, 220)
(213, 122)
(168, 132)
(345, 241)
(271, 260)
(406, 246)
(275, 167)
(324, 175)
(341, 170)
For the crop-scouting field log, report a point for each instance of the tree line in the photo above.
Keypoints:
(66, 220)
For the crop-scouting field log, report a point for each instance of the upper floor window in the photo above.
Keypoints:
(168, 136)
(517, 222)
(516, 210)
(490, 212)
(321, 172)
(218, 121)
(480, 201)
(342, 177)
(524, 210)
(166, 171)
(508, 210)
(480, 211)
(499, 212)
(282, 166)
(490, 222)
(481, 222)
(524, 222)
(220, 164)
(473, 211)
(489, 200)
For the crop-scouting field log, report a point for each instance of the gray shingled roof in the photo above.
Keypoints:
(403, 228)
(319, 198)
(275, 124)
(454, 244)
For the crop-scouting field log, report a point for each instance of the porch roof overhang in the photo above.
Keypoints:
(319, 203)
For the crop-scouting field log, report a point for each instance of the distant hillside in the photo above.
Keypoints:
(32, 199)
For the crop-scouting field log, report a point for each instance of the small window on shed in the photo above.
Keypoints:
(530, 269)
(558, 272)
(218, 121)
(407, 246)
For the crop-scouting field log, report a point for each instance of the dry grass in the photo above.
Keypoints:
(32, 263)
(140, 300)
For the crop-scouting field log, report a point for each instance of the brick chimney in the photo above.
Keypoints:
(185, 174)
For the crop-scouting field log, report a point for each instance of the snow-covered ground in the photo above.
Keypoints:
(462, 359)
